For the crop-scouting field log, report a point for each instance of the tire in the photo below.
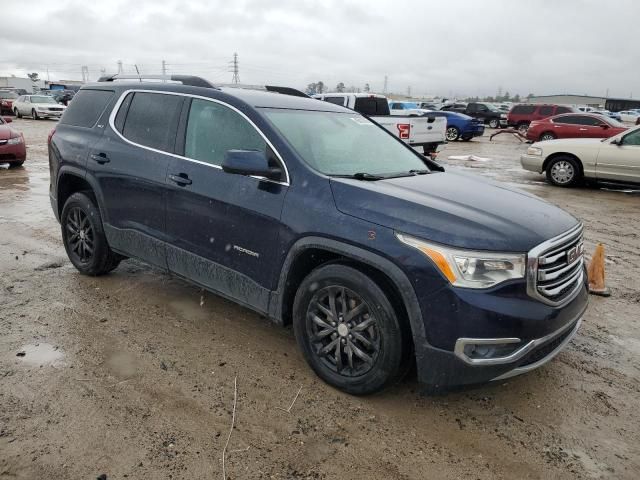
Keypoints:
(34, 114)
(494, 123)
(83, 236)
(547, 136)
(523, 127)
(452, 134)
(17, 113)
(364, 354)
(564, 171)
(16, 164)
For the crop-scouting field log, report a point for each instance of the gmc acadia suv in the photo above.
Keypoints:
(314, 216)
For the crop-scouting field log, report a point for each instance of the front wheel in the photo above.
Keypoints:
(494, 123)
(522, 128)
(564, 171)
(348, 331)
(83, 236)
(452, 134)
(17, 113)
(16, 164)
(547, 136)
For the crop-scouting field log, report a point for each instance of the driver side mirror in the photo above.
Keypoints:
(250, 163)
(617, 142)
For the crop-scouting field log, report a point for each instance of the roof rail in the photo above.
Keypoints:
(269, 88)
(190, 80)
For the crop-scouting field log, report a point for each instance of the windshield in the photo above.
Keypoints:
(343, 143)
(42, 99)
(8, 95)
(614, 123)
(493, 108)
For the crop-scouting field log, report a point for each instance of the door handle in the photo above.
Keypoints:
(101, 158)
(583, 129)
(181, 179)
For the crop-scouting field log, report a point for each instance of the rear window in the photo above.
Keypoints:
(86, 108)
(523, 109)
(152, 120)
(372, 106)
(335, 100)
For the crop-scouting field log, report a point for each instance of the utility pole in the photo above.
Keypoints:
(235, 70)
(409, 91)
(386, 84)
(164, 69)
(119, 66)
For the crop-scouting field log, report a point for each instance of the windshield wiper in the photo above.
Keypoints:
(362, 176)
(423, 171)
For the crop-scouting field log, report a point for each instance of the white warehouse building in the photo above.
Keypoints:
(566, 99)
(21, 83)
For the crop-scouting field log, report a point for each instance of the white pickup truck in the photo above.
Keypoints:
(415, 130)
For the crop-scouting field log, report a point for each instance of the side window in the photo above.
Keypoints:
(632, 139)
(86, 108)
(481, 108)
(546, 110)
(397, 106)
(560, 110)
(122, 112)
(27, 99)
(335, 100)
(590, 121)
(151, 120)
(213, 129)
(568, 120)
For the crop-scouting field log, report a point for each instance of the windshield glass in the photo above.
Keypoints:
(343, 143)
(8, 95)
(493, 108)
(42, 99)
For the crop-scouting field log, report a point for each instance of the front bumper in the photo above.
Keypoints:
(13, 153)
(533, 163)
(47, 113)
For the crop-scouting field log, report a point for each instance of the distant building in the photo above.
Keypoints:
(21, 84)
(589, 101)
(619, 104)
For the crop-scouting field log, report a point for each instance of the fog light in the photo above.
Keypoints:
(481, 351)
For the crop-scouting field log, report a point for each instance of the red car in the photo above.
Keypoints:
(520, 116)
(574, 125)
(7, 98)
(12, 148)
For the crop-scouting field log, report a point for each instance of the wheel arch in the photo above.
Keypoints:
(71, 180)
(309, 253)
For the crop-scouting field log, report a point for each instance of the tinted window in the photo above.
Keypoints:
(546, 110)
(560, 110)
(372, 106)
(151, 120)
(568, 120)
(590, 121)
(523, 109)
(122, 112)
(86, 108)
(397, 106)
(214, 129)
(335, 100)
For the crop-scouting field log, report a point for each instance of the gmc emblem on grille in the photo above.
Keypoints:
(574, 253)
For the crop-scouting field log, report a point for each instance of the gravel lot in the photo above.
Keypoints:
(132, 375)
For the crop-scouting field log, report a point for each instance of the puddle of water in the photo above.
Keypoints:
(40, 354)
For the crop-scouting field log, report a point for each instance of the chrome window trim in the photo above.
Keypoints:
(116, 107)
(515, 355)
(532, 268)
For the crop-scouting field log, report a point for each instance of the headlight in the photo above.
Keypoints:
(15, 141)
(534, 151)
(465, 268)
(503, 115)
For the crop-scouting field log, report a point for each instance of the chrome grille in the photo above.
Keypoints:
(555, 268)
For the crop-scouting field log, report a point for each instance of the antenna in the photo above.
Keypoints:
(138, 72)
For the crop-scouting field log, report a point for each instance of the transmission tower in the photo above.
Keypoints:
(85, 74)
(234, 69)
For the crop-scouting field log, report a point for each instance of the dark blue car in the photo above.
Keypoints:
(315, 217)
(460, 125)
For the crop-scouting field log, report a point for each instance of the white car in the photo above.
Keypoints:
(37, 106)
(629, 116)
(569, 161)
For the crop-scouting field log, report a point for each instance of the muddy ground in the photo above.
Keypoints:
(132, 375)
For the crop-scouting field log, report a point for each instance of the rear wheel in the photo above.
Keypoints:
(547, 136)
(523, 127)
(34, 114)
(452, 134)
(348, 331)
(83, 236)
(564, 171)
(17, 113)
(494, 123)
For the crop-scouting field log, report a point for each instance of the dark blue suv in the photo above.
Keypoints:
(313, 215)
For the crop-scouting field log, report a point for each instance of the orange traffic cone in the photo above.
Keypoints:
(595, 273)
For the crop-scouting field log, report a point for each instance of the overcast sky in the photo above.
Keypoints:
(462, 47)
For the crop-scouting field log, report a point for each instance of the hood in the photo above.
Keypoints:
(48, 105)
(570, 141)
(7, 132)
(454, 209)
